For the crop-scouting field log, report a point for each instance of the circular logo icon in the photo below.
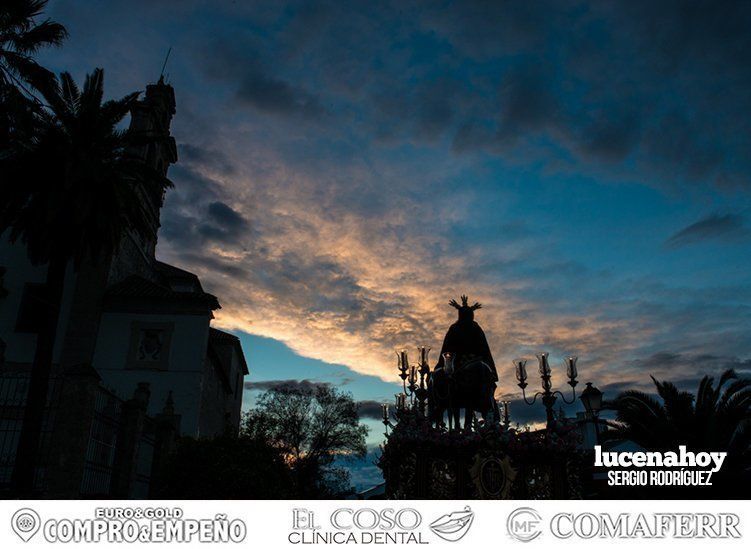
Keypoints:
(25, 523)
(524, 524)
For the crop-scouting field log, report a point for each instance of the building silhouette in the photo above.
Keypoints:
(135, 329)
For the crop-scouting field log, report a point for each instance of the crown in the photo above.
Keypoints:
(464, 304)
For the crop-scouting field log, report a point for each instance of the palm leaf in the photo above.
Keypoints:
(47, 33)
(115, 110)
(733, 389)
(93, 92)
(69, 92)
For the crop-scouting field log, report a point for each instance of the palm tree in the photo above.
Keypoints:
(716, 418)
(69, 196)
(21, 78)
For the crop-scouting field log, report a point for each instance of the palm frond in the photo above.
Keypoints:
(115, 110)
(705, 394)
(726, 376)
(69, 92)
(18, 14)
(738, 386)
(740, 440)
(25, 68)
(45, 34)
(93, 91)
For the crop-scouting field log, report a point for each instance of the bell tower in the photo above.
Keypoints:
(150, 119)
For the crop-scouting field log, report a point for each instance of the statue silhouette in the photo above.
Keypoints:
(469, 378)
(465, 339)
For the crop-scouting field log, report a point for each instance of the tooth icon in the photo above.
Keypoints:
(25, 523)
(453, 526)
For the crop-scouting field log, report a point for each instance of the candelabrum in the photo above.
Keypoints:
(506, 414)
(548, 395)
(400, 406)
(415, 378)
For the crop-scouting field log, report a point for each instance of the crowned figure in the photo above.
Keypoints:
(465, 339)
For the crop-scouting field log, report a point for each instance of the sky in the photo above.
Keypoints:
(346, 168)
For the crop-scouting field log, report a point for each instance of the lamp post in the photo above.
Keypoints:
(548, 395)
(591, 398)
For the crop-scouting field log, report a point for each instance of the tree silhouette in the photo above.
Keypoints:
(69, 195)
(311, 427)
(21, 77)
(716, 418)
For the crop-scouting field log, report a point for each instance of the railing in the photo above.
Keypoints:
(100, 451)
(14, 386)
(111, 432)
(144, 461)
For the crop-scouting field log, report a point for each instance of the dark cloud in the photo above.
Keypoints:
(527, 100)
(612, 84)
(610, 390)
(370, 409)
(214, 159)
(273, 95)
(256, 84)
(523, 414)
(225, 217)
(212, 265)
(193, 213)
(673, 366)
(720, 227)
(612, 134)
(595, 79)
(191, 187)
(304, 385)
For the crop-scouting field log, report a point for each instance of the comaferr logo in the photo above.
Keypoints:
(525, 524)
(657, 525)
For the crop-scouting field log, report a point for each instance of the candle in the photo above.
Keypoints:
(404, 360)
(544, 366)
(571, 367)
(448, 361)
(520, 364)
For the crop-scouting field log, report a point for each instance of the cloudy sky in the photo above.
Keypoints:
(346, 168)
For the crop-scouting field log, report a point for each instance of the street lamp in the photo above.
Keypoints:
(591, 398)
(548, 395)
